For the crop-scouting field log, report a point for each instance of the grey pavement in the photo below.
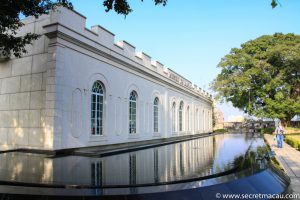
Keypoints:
(289, 159)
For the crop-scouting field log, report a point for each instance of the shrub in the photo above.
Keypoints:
(292, 128)
(220, 131)
(267, 130)
(293, 142)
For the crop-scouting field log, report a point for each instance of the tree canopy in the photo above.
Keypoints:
(10, 11)
(274, 3)
(262, 77)
(122, 6)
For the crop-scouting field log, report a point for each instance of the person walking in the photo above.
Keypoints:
(279, 131)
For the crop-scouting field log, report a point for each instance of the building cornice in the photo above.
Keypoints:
(57, 30)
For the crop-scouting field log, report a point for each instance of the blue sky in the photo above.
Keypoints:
(192, 36)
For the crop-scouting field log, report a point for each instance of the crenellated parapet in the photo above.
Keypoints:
(72, 23)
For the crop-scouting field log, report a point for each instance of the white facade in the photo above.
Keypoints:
(46, 96)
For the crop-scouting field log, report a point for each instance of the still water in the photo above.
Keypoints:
(180, 161)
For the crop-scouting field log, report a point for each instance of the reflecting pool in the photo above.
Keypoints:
(174, 162)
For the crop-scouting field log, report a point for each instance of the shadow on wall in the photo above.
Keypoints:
(19, 131)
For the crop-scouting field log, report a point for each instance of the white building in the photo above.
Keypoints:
(76, 87)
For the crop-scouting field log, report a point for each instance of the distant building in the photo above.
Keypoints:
(295, 122)
(219, 119)
(236, 119)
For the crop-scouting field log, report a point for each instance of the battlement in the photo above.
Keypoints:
(72, 21)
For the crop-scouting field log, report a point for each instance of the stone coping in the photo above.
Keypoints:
(267, 181)
(111, 149)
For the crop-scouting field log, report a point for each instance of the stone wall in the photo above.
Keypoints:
(22, 93)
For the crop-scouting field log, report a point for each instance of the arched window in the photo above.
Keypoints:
(132, 112)
(155, 114)
(180, 116)
(199, 120)
(174, 117)
(203, 121)
(196, 120)
(209, 120)
(187, 119)
(97, 101)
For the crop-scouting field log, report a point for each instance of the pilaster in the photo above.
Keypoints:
(54, 91)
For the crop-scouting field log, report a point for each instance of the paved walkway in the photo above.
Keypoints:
(289, 159)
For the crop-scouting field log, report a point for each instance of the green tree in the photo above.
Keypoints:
(10, 11)
(274, 3)
(10, 23)
(122, 6)
(262, 77)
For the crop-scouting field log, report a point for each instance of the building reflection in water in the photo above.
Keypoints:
(23, 167)
(97, 173)
(132, 169)
(189, 159)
